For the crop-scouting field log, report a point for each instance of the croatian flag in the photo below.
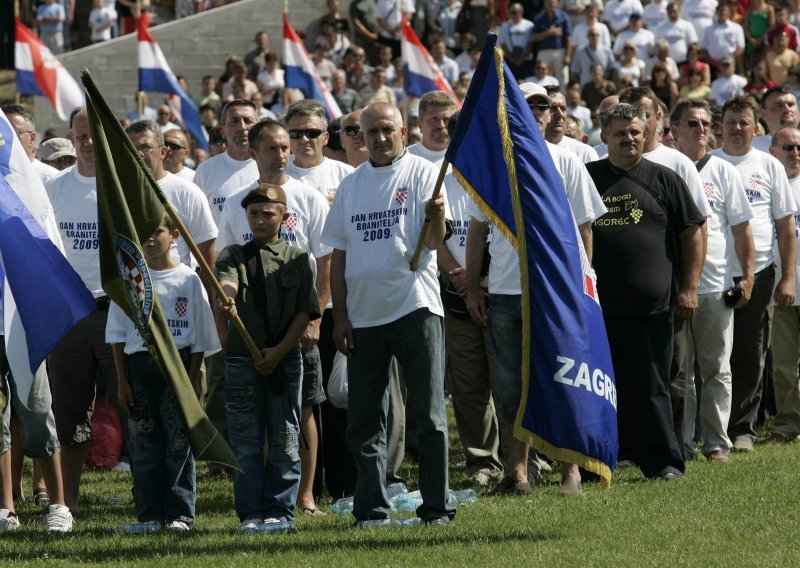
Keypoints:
(156, 76)
(40, 73)
(301, 73)
(43, 297)
(420, 73)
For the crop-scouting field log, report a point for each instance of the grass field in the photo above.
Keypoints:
(744, 513)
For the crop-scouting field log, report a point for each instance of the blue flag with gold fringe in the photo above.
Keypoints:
(568, 404)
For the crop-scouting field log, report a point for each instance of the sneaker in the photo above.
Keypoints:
(146, 527)
(8, 521)
(178, 527)
(510, 486)
(250, 525)
(58, 519)
(372, 523)
(743, 444)
(437, 521)
(123, 466)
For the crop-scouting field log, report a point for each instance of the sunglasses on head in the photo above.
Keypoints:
(310, 133)
(351, 131)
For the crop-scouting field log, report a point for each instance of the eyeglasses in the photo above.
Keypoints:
(790, 147)
(310, 133)
(541, 107)
(695, 123)
(726, 64)
(164, 113)
(351, 131)
(217, 142)
(173, 146)
(627, 49)
(147, 149)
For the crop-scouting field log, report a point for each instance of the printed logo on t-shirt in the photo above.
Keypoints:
(622, 210)
(711, 192)
(460, 228)
(752, 190)
(401, 197)
(181, 305)
(291, 222)
(218, 202)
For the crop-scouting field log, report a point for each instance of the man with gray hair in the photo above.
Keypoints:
(633, 257)
(383, 309)
(22, 123)
(728, 227)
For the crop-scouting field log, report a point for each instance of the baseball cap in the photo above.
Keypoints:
(265, 193)
(533, 90)
(55, 148)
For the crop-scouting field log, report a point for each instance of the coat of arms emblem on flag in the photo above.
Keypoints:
(138, 286)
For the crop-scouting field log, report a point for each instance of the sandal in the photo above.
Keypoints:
(41, 498)
(313, 511)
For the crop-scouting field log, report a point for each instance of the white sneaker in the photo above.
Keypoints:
(8, 521)
(141, 528)
(123, 466)
(250, 525)
(179, 527)
(58, 519)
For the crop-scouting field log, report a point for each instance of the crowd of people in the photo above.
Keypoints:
(683, 177)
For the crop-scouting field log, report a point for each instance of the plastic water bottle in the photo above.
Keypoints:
(343, 506)
(373, 523)
(116, 501)
(407, 522)
(277, 527)
(396, 489)
(406, 501)
(463, 497)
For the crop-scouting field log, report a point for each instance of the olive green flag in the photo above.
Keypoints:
(129, 209)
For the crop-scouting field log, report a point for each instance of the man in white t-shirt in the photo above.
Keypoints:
(723, 38)
(187, 199)
(642, 38)
(656, 152)
(505, 293)
(308, 134)
(269, 147)
(22, 123)
(729, 234)
(678, 32)
(778, 110)
(220, 175)
(352, 142)
(655, 14)
(727, 84)
(383, 309)
(617, 13)
(389, 16)
(785, 328)
(83, 354)
(435, 109)
(178, 149)
(770, 196)
(555, 129)
(700, 13)
(515, 40)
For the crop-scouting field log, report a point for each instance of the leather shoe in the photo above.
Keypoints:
(718, 455)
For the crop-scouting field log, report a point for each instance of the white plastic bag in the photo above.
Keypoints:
(337, 383)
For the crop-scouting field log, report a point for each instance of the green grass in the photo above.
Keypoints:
(743, 513)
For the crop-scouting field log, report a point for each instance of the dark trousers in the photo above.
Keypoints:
(678, 373)
(641, 351)
(337, 460)
(751, 337)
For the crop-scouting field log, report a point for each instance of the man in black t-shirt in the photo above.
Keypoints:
(650, 233)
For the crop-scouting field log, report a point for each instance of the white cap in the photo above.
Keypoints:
(533, 90)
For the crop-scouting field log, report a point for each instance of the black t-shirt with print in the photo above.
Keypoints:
(635, 243)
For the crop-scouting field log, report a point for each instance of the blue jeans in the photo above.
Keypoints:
(163, 465)
(505, 328)
(417, 341)
(262, 407)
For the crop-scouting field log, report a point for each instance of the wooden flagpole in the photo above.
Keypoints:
(427, 224)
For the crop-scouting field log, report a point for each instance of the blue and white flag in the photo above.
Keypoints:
(156, 76)
(568, 403)
(43, 297)
(301, 72)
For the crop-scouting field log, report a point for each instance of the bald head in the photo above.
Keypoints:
(383, 131)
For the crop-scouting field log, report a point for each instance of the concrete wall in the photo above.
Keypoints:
(193, 46)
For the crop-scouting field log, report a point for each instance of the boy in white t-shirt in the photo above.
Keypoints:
(101, 21)
(163, 465)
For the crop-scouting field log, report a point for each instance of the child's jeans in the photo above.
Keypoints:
(163, 465)
(260, 406)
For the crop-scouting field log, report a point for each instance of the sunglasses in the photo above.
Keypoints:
(310, 133)
(695, 123)
(541, 107)
(173, 146)
(351, 131)
(790, 147)
(217, 142)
